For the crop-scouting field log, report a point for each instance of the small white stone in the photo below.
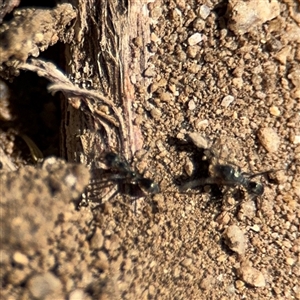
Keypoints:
(201, 124)
(255, 228)
(204, 11)
(20, 258)
(191, 105)
(296, 139)
(77, 295)
(227, 100)
(290, 261)
(195, 39)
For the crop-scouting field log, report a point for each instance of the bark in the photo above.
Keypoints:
(101, 58)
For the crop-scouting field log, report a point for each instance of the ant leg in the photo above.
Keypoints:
(110, 197)
(261, 173)
(99, 185)
(115, 178)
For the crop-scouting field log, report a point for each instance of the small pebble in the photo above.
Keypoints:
(274, 111)
(198, 140)
(138, 41)
(156, 13)
(234, 238)
(201, 124)
(239, 284)
(238, 82)
(186, 262)
(16, 277)
(97, 240)
(204, 11)
(247, 210)
(20, 258)
(251, 275)
(151, 290)
(42, 285)
(155, 113)
(199, 24)
(150, 72)
(227, 100)
(294, 76)
(191, 105)
(283, 54)
(192, 51)
(290, 261)
(77, 294)
(246, 15)
(195, 39)
(255, 228)
(189, 167)
(207, 282)
(166, 97)
(222, 258)
(5, 110)
(269, 139)
(154, 38)
(223, 218)
(295, 139)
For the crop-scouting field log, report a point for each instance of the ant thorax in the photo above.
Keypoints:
(226, 173)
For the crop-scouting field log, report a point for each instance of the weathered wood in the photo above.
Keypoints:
(100, 58)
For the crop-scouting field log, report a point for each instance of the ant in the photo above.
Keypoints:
(228, 175)
(222, 172)
(117, 170)
(125, 175)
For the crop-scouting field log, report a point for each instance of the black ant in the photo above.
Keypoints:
(224, 173)
(117, 170)
(228, 175)
(123, 174)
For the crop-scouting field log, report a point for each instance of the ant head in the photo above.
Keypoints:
(111, 159)
(255, 188)
(148, 186)
(114, 161)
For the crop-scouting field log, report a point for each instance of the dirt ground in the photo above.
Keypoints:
(225, 71)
